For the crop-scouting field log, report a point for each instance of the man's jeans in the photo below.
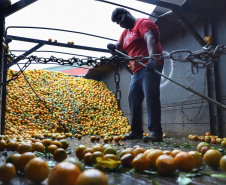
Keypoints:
(145, 84)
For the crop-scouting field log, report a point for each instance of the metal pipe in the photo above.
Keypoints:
(187, 88)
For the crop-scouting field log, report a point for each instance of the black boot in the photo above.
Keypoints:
(153, 138)
(133, 136)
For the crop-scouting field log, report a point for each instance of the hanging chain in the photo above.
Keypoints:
(117, 80)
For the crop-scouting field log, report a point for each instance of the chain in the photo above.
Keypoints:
(117, 80)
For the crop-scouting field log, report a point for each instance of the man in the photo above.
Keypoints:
(141, 37)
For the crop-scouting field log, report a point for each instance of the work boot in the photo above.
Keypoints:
(153, 137)
(133, 136)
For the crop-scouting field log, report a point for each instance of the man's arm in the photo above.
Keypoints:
(117, 46)
(149, 37)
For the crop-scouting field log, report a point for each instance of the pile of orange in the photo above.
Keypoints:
(95, 107)
(209, 139)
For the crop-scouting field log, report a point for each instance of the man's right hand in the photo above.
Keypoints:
(111, 47)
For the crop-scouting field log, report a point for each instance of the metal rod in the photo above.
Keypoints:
(187, 88)
(57, 44)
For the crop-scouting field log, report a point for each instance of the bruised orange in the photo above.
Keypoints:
(92, 176)
(126, 160)
(64, 173)
(36, 170)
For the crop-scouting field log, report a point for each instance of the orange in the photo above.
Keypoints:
(106, 157)
(185, 161)
(167, 152)
(92, 177)
(98, 147)
(198, 158)
(116, 139)
(166, 164)
(175, 152)
(110, 150)
(12, 146)
(153, 156)
(87, 150)
(65, 143)
(13, 159)
(87, 158)
(223, 143)
(3, 144)
(64, 173)
(52, 148)
(7, 172)
(24, 147)
(60, 154)
(212, 158)
(202, 144)
(38, 146)
(57, 143)
(92, 138)
(139, 150)
(36, 170)
(223, 163)
(140, 162)
(47, 142)
(24, 159)
(95, 155)
(147, 151)
(126, 160)
(126, 151)
(79, 151)
(75, 161)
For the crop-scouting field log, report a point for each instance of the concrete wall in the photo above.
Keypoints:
(183, 112)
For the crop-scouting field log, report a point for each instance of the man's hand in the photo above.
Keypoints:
(111, 47)
(151, 65)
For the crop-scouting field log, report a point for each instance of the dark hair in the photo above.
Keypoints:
(117, 12)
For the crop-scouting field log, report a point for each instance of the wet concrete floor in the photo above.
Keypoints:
(133, 178)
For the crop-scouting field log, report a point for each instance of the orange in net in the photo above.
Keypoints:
(185, 161)
(64, 173)
(166, 164)
(92, 176)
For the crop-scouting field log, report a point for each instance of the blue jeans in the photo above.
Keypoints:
(145, 84)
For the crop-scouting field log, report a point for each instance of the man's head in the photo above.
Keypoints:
(123, 17)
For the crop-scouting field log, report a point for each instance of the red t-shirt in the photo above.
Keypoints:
(134, 44)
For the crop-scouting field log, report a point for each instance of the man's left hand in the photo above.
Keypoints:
(151, 65)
